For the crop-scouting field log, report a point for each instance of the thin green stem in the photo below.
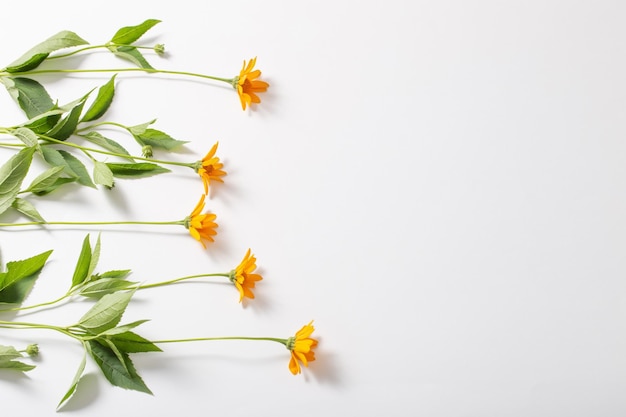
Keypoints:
(105, 70)
(174, 222)
(163, 283)
(102, 124)
(25, 325)
(205, 339)
(87, 48)
(37, 305)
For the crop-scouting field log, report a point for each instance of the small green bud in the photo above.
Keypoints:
(159, 49)
(146, 151)
(32, 350)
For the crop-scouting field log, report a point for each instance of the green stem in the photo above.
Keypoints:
(87, 48)
(204, 339)
(99, 70)
(163, 283)
(37, 305)
(174, 222)
(25, 325)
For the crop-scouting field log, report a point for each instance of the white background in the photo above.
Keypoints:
(439, 184)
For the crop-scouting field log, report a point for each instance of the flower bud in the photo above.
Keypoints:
(32, 350)
(159, 49)
(146, 151)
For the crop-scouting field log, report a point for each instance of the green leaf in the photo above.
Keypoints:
(106, 313)
(117, 373)
(31, 96)
(123, 329)
(102, 101)
(106, 143)
(95, 257)
(37, 54)
(12, 173)
(8, 354)
(27, 136)
(77, 167)
(130, 342)
(117, 273)
(132, 54)
(129, 34)
(140, 129)
(137, 170)
(67, 126)
(57, 183)
(158, 139)
(20, 277)
(44, 180)
(82, 265)
(44, 121)
(104, 286)
(26, 208)
(102, 174)
(75, 381)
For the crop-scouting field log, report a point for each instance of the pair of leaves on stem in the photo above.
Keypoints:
(120, 44)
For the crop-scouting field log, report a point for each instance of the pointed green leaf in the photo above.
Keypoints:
(106, 143)
(106, 313)
(117, 273)
(95, 257)
(18, 280)
(159, 139)
(140, 129)
(27, 136)
(102, 101)
(138, 170)
(26, 208)
(8, 354)
(77, 167)
(83, 263)
(129, 34)
(67, 126)
(31, 96)
(119, 374)
(104, 286)
(132, 54)
(75, 381)
(44, 180)
(37, 54)
(57, 183)
(123, 329)
(130, 342)
(102, 174)
(12, 173)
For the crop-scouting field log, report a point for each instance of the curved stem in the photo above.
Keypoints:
(37, 305)
(163, 283)
(25, 325)
(205, 339)
(87, 48)
(174, 222)
(104, 70)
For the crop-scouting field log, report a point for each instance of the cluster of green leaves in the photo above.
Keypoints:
(107, 342)
(48, 131)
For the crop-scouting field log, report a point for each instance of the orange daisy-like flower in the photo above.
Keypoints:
(301, 347)
(243, 276)
(201, 226)
(247, 84)
(210, 168)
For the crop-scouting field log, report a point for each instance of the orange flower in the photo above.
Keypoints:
(210, 168)
(247, 84)
(301, 347)
(243, 276)
(201, 226)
